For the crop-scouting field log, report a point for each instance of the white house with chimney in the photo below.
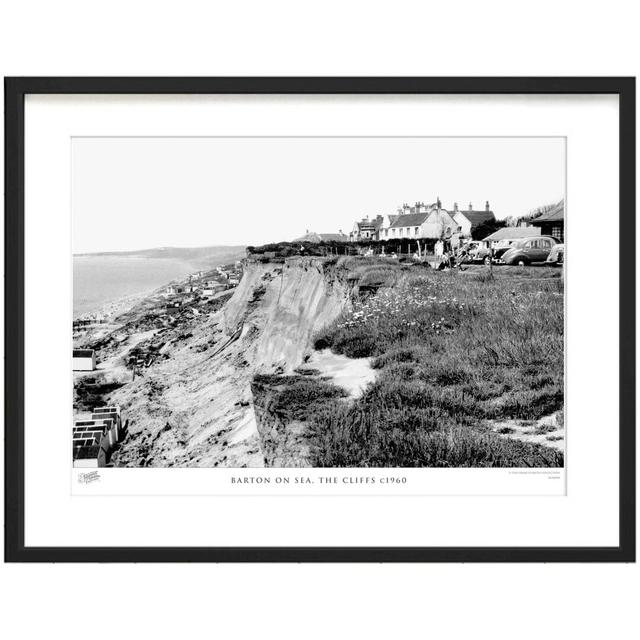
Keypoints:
(418, 222)
(422, 221)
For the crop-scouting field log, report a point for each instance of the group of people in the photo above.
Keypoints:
(448, 254)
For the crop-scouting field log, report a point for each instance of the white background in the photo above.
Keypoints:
(332, 38)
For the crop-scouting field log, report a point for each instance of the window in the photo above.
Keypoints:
(393, 232)
(386, 232)
(401, 230)
(416, 230)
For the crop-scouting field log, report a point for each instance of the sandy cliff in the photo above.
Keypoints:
(195, 408)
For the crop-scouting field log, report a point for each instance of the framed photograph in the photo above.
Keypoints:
(320, 319)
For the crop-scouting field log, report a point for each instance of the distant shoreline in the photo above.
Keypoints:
(110, 284)
(159, 252)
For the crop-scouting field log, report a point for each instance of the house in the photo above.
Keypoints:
(434, 223)
(212, 288)
(508, 235)
(366, 229)
(172, 289)
(551, 223)
(84, 360)
(312, 236)
(472, 218)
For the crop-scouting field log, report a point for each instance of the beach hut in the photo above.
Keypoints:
(84, 359)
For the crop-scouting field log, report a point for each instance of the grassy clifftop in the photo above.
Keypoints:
(455, 351)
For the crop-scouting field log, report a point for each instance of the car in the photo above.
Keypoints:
(477, 252)
(556, 255)
(483, 254)
(529, 250)
(499, 252)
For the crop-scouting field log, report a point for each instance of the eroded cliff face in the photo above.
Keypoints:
(283, 442)
(196, 407)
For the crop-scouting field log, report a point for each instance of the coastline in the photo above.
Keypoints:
(118, 306)
(105, 286)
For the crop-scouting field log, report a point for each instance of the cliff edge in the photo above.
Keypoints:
(194, 408)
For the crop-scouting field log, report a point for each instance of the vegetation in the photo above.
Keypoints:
(514, 221)
(288, 249)
(363, 436)
(296, 397)
(454, 350)
(93, 391)
(485, 229)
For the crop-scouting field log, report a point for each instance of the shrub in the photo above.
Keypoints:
(296, 397)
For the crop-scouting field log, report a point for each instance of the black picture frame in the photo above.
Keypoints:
(15, 91)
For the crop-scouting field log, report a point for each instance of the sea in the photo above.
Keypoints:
(98, 280)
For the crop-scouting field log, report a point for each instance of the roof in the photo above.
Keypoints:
(513, 233)
(83, 353)
(312, 236)
(410, 220)
(555, 214)
(477, 218)
(373, 224)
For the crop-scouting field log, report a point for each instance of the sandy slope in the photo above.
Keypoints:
(195, 408)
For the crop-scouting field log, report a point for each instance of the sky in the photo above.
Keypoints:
(141, 193)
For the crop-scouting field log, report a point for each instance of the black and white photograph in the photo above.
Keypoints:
(339, 302)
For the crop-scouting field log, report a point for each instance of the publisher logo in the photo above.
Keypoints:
(89, 477)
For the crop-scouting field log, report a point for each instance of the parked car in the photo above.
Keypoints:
(556, 255)
(477, 252)
(529, 250)
(498, 253)
(483, 254)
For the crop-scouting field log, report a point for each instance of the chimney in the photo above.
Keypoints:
(470, 207)
(486, 206)
(455, 207)
(439, 203)
(340, 232)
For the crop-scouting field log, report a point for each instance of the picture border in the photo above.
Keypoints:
(15, 91)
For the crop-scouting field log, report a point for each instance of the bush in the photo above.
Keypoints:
(298, 396)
